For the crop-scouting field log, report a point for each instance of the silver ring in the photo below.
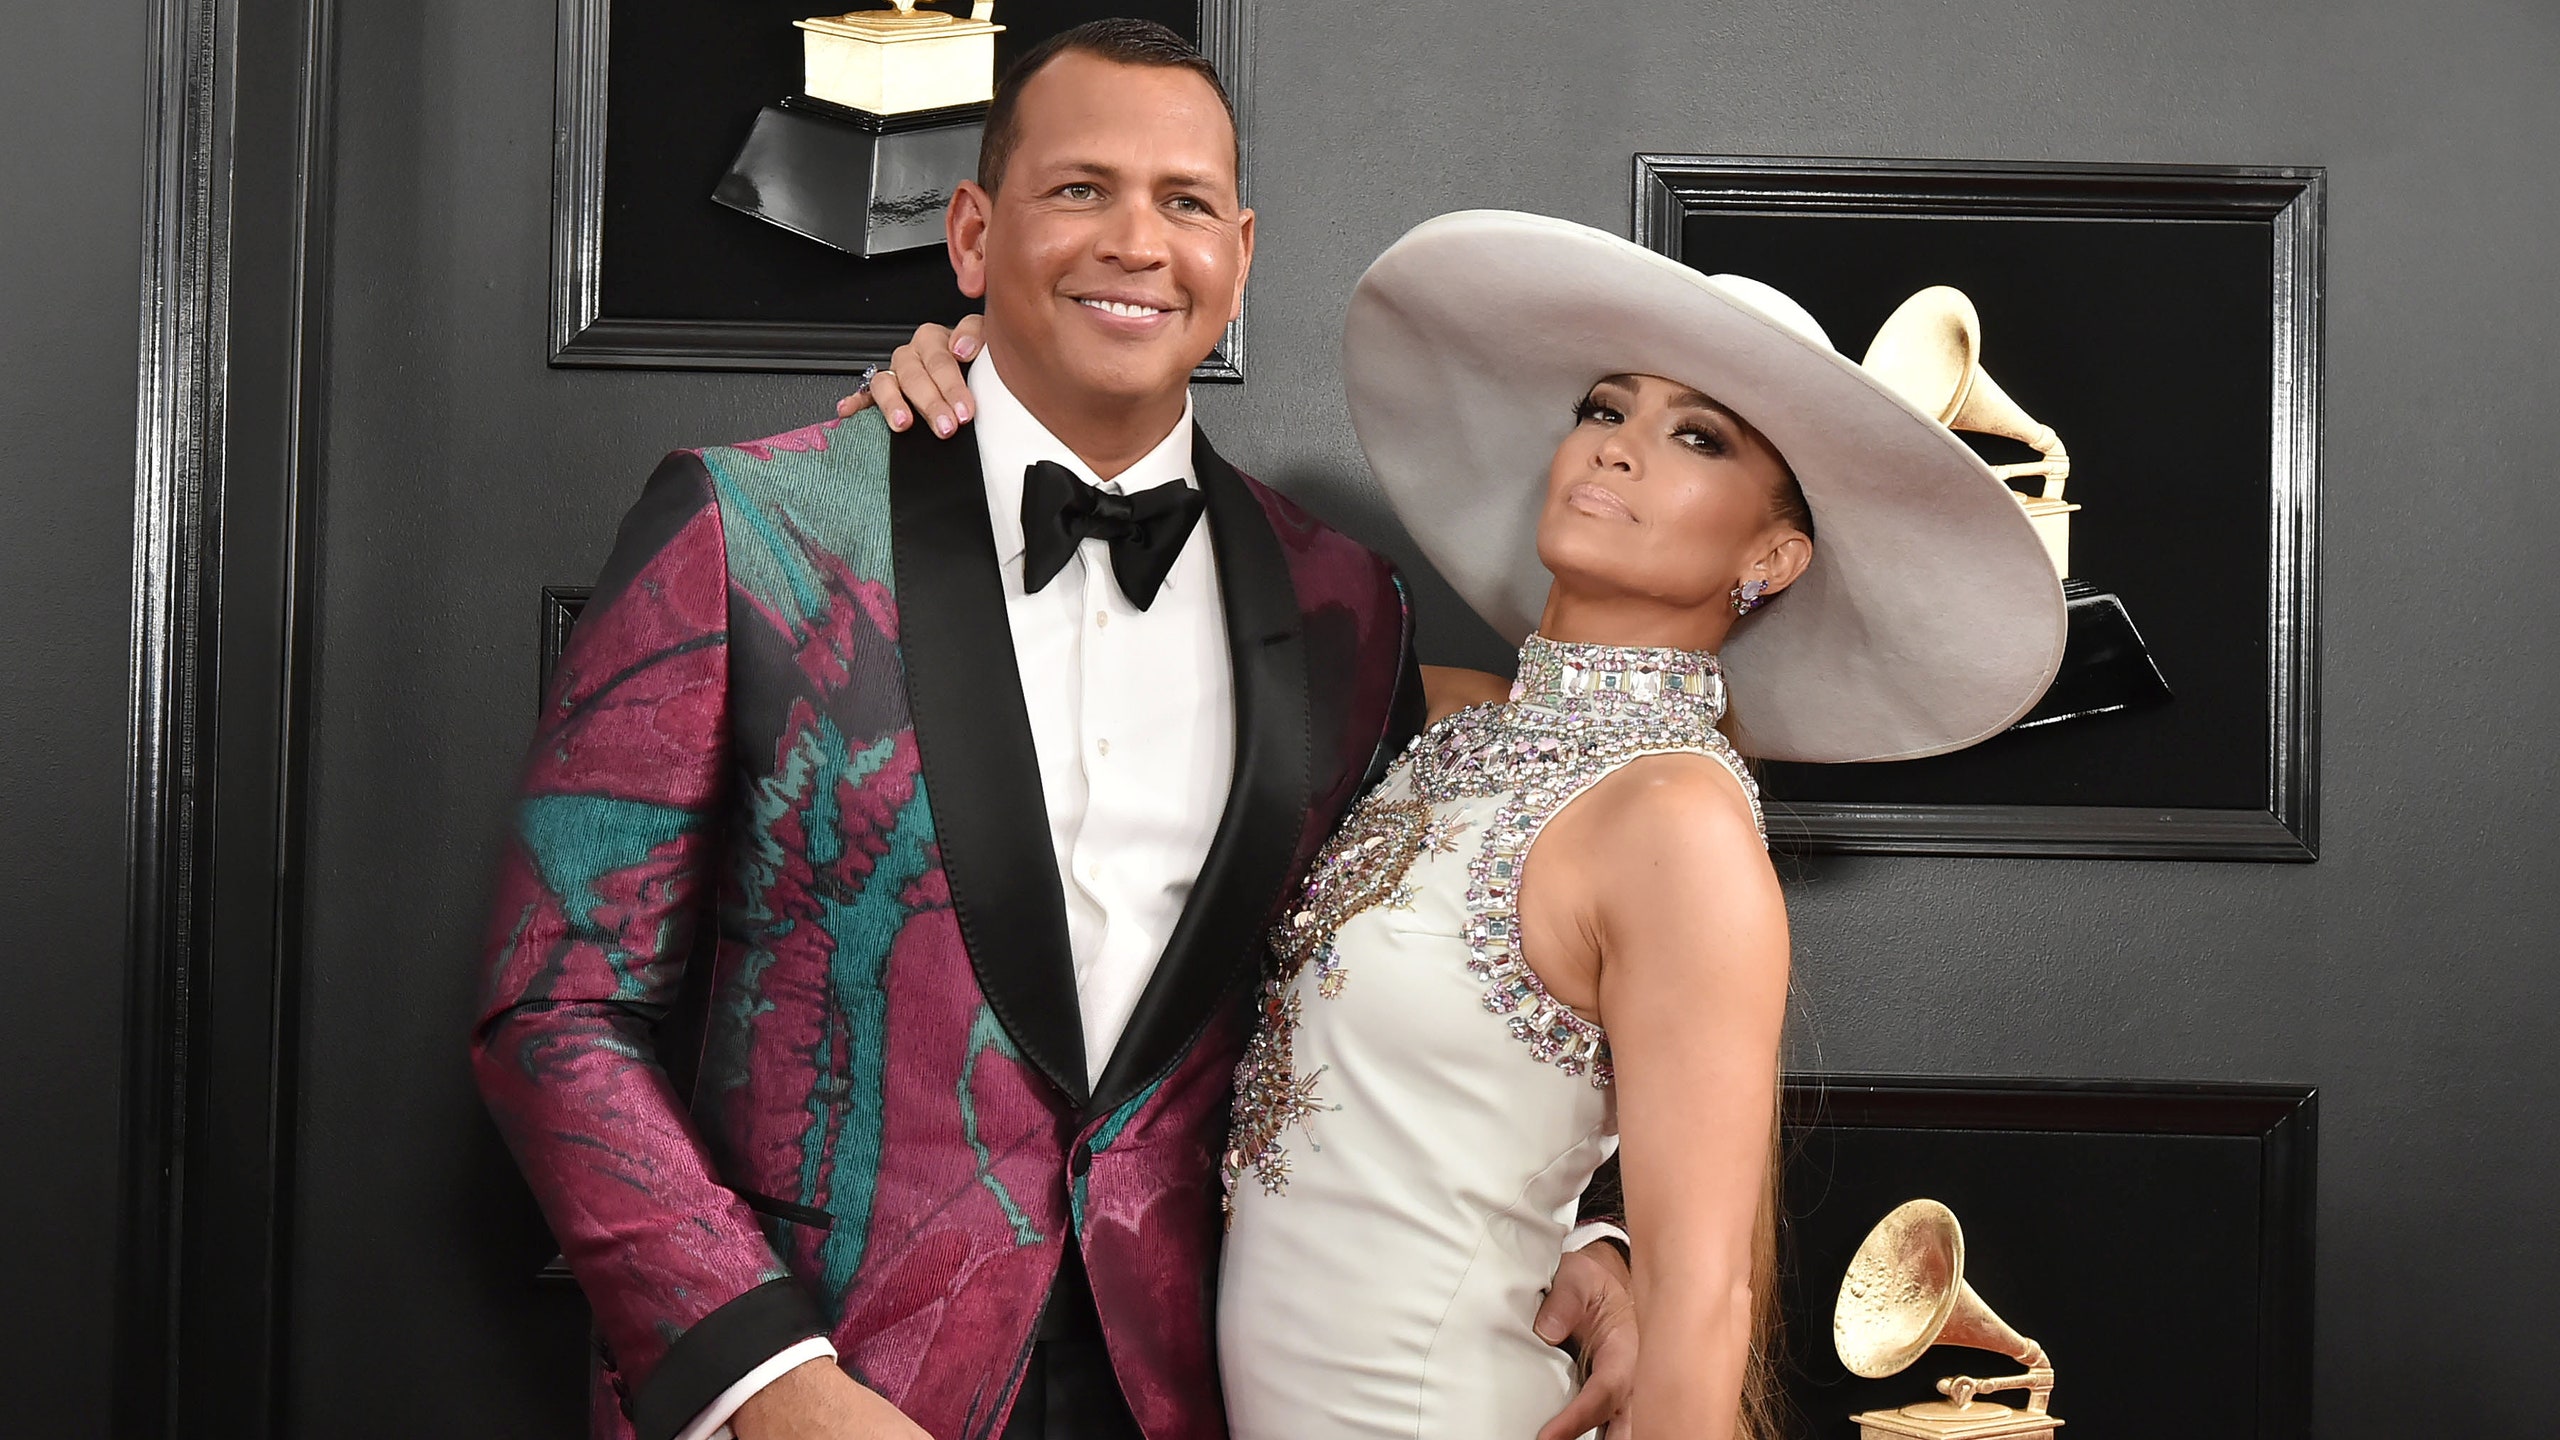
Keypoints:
(868, 373)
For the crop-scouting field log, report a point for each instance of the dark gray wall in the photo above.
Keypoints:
(2407, 973)
(71, 125)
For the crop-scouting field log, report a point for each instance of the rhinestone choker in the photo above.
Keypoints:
(1565, 675)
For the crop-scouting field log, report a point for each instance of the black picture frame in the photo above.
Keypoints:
(733, 314)
(556, 616)
(2234, 776)
(2139, 1230)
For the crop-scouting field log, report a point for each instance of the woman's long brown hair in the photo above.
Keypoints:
(1764, 1404)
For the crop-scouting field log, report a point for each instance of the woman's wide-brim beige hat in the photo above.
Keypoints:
(1930, 618)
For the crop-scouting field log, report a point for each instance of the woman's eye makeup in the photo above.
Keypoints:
(1702, 439)
(1699, 435)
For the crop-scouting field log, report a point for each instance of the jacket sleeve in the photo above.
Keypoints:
(1407, 707)
(1604, 1200)
(609, 856)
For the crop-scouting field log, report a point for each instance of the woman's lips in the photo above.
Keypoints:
(1598, 500)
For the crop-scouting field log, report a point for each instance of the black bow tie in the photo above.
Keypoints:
(1145, 530)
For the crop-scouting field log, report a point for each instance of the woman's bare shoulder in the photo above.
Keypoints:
(1682, 808)
(1680, 880)
(1675, 787)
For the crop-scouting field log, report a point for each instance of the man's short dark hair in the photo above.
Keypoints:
(1123, 42)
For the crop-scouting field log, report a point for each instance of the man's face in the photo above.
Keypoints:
(1114, 251)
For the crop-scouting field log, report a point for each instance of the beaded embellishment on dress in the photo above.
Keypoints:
(1577, 713)
(1363, 865)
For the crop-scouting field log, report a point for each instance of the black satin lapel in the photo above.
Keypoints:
(981, 775)
(1217, 945)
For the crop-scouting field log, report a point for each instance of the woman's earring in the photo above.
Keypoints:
(1747, 596)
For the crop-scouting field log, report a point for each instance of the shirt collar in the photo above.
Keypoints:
(1010, 439)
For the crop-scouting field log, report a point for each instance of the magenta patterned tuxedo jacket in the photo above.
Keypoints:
(792, 704)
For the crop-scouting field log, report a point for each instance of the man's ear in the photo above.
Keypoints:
(1244, 272)
(964, 235)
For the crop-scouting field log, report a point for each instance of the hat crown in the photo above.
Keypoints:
(1775, 304)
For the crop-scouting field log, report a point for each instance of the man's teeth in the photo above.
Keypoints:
(1115, 307)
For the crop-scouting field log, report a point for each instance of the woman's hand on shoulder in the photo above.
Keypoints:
(1448, 689)
(924, 373)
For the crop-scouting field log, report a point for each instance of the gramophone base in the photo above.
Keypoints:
(865, 184)
(2104, 665)
(1942, 1420)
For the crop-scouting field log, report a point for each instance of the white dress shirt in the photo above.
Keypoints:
(1133, 721)
(1132, 713)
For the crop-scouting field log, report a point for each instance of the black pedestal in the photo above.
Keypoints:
(2104, 665)
(865, 184)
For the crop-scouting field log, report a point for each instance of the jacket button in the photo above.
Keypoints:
(1079, 1162)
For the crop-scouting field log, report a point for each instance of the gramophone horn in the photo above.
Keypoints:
(1905, 1292)
(1929, 352)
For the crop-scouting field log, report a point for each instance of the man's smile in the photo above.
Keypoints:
(1127, 308)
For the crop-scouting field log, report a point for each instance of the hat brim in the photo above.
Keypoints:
(1930, 618)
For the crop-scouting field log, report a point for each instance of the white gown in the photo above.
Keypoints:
(1416, 1119)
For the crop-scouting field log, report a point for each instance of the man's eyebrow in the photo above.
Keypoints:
(1103, 170)
(1083, 167)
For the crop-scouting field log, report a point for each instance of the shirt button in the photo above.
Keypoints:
(1102, 747)
(1101, 619)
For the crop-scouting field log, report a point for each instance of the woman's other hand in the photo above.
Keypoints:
(923, 378)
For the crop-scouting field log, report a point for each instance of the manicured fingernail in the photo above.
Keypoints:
(897, 419)
(942, 426)
(964, 348)
(960, 410)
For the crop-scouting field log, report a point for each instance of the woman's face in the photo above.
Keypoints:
(1660, 494)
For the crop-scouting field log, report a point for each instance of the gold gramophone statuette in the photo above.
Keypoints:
(1905, 1291)
(1930, 352)
(901, 60)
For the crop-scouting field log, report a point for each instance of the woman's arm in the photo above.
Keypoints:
(1679, 901)
(1446, 690)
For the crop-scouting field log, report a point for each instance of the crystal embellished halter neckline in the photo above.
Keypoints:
(1577, 713)
(1564, 675)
